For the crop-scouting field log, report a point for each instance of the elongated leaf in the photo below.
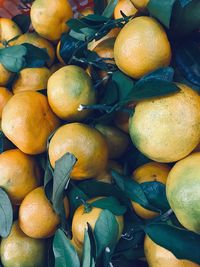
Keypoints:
(111, 204)
(108, 12)
(6, 214)
(106, 231)
(23, 21)
(184, 2)
(13, 57)
(164, 74)
(64, 253)
(162, 10)
(99, 6)
(61, 179)
(182, 243)
(89, 248)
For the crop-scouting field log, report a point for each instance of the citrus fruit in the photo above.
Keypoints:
(5, 95)
(20, 250)
(173, 132)
(183, 185)
(37, 218)
(82, 216)
(49, 18)
(78, 248)
(141, 47)
(149, 172)
(20, 174)
(126, 7)
(67, 88)
(27, 121)
(140, 4)
(158, 256)
(86, 12)
(38, 41)
(31, 79)
(86, 143)
(117, 140)
(55, 67)
(106, 177)
(58, 54)
(9, 30)
(5, 75)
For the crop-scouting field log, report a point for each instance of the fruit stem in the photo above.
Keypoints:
(87, 206)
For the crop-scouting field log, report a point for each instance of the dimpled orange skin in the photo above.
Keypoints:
(126, 7)
(20, 174)
(37, 218)
(167, 129)
(86, 143)
(149, 172)
(5, 95)
(31, 79)
(81, 218)
(141, 47)
(49, 18)
(27, 121)
(158, 256)
(140, 4)
(67, 89)
(38, 41)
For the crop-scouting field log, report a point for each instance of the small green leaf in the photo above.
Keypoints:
(185, 2)
(6, 214)
(23, 21)
(162, 10)
(106, 231)
(89, 248)
(13, 57)
(111, 204)
(108, 12)
(76, 24)
(182, 243)
(111, 94)
(99, 6)
(64, 253)
(95, 18)
(164, 74)
(61, 179)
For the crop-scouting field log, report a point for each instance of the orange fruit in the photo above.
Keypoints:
(149, 172)
(86, 143)
(20, 250)
(31, 79)
(67, 89)
(141, 47)
(9, 30)
(20, 174)
(38, 41)
(86, 12)
(49, 18)
(126, 7)
(158, 256)
(27, 121)
(58, 54)
(37, 218)
(5, 95)
(140, 4)
(5, 75)
(117, 140)
(56, 67)
(175, 130)
(106, 176)
(82, 217)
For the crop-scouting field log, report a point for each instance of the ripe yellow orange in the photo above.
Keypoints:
(67, 89)
(149, 172)
(126, 7)
(27, 121)
(49, 18)
(20, 174)
(9, 30)
(31, 79)
(37, 218)
(158, 256)
(173, 132)
(86, 143)
(20, 250)
(141, 47)
(5, 75)
(5, 95)
(140, 4)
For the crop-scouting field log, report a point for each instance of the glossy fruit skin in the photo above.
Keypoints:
(24, 129)
(9, 30)
(49, 18)
(81, 218)
(20, 174)
(67, 89)
(37, 218)
(182, 189)
(140, 4)
(158, 256)
(141, 47)
(126, 7)
(31, 79)
(5, 76)
(149, 172)
(86, 143)
(5, 95)
(173, 132)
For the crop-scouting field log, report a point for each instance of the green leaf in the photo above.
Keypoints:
(61, 179)
(111, 95)
(99, 6)
(36, 57)
(108, 12)
(165, 74)
(23, 21)
(185, 2)
(89, 248)
(106, 231)
(64, 253)
(182, 243)
(13, 57)
(48, 180)
(95, 18)
(111, 204)
(6, 214)
(76, 24)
